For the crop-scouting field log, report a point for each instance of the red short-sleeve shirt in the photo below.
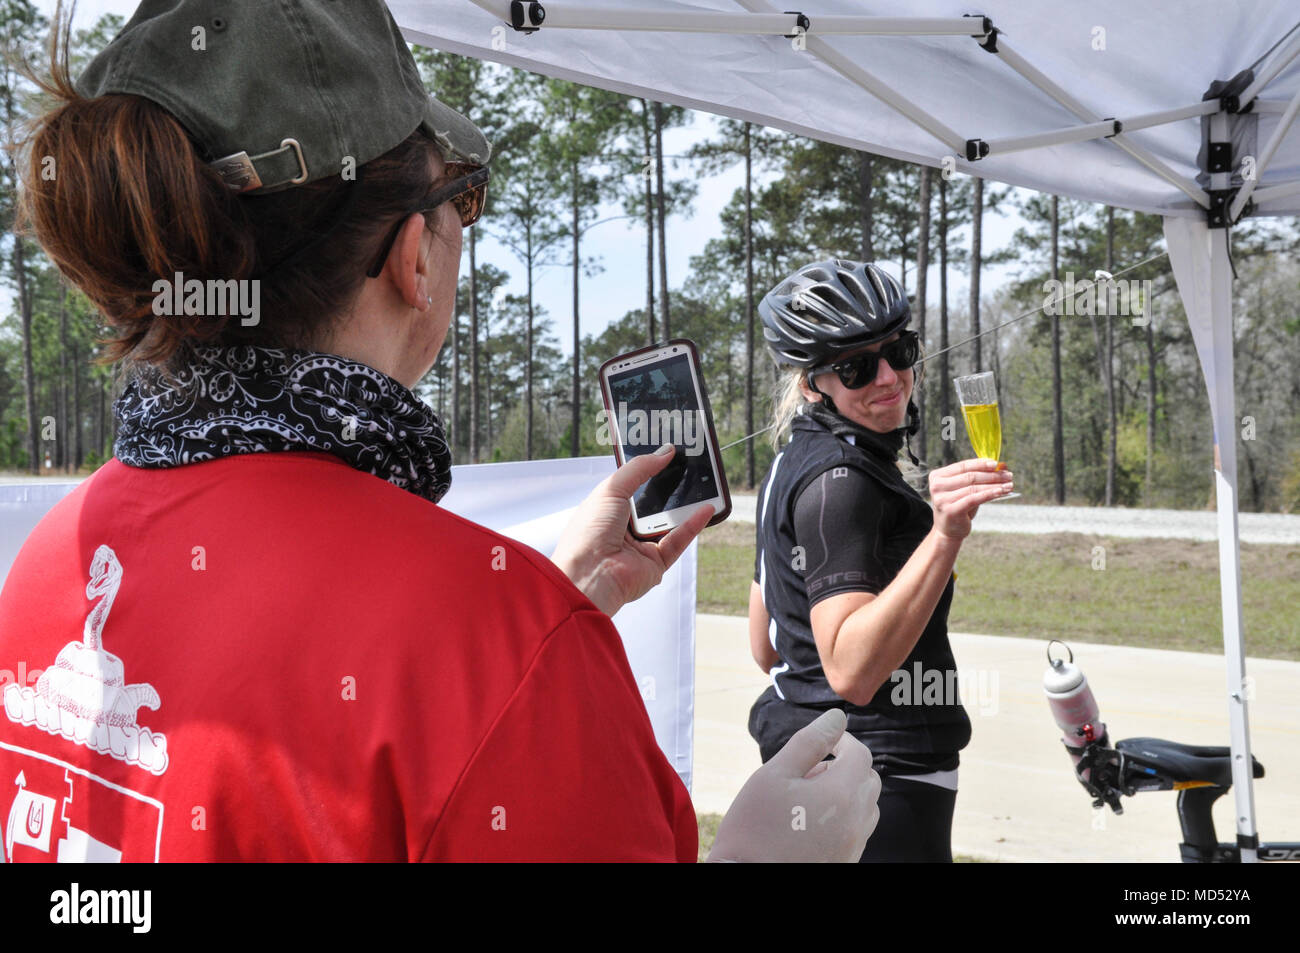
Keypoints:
(278, 657)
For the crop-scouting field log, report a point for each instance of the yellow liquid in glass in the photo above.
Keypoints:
(985, 429)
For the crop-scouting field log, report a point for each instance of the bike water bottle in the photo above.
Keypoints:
(1073, 706)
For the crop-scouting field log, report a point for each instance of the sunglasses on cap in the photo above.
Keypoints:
(468, 190)
(856, 372)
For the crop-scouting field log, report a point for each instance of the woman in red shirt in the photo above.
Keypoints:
(262, 638)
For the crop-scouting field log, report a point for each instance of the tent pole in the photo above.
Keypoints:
(1147, 120)
(579, 16)
(1265, 157)
(1225, 485)
(1198, 255)
(886, 94)
(1093, 130)
(1276, 192)
(1041, 80)
(1264, 78)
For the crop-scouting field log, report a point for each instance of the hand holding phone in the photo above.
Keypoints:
(598, 553)
(656, 396)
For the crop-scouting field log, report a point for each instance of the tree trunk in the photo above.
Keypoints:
(457, 432)
(29, 373)
(473, 351)
(945, 373)
(922, 271)
(487, 384)
(62, 459)
(78, 454)
(1058, 447)
(114, 394)
(101, 453)
(528, 358)
(442, 400)
(649, 229)
(904, 253)
(661, 214)
(1255, 488)
(1099, 344)
(1112, 447)
(1151, 412)
(977, 227)
(749, 310)
(574, 443)
(866, 175)
(997, 371)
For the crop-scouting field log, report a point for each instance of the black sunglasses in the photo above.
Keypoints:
(468, 190)
(860, 371)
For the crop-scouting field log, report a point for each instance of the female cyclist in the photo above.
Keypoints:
(853, 571)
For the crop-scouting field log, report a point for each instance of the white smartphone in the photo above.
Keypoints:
(653, 396)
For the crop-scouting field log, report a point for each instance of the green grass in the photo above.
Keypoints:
(1155, 593)
(708, 824)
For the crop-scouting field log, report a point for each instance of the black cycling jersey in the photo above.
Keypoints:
(835, 515)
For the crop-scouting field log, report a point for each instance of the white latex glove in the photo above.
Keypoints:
(798, 808)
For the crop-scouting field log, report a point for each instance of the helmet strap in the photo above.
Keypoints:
(913, 425)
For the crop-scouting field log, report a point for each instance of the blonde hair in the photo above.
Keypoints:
(787, 402)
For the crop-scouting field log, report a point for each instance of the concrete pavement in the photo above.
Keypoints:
(1018, 799)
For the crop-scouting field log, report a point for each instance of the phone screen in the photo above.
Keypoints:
(659, 404)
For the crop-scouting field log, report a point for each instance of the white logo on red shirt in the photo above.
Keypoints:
(84, 696)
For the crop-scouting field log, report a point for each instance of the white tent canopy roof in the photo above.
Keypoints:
(1156, 57)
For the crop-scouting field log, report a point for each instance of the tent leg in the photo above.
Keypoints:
(1222, 401)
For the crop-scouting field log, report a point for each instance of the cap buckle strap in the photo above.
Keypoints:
(240, 170)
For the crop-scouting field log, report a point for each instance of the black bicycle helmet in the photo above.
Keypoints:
(829, 308)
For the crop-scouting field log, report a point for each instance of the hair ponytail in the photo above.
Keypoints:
(118, 195)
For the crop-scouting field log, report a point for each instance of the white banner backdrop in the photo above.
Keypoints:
(530, 502)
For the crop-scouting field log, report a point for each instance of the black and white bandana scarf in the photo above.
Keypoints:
(245, 399)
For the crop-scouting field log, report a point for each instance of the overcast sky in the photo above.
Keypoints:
(621, 244)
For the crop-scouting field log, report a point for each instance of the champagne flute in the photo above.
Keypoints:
(979, 406)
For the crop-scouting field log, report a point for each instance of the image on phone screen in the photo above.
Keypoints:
(656, 405)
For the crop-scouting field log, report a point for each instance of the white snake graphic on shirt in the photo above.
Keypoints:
(84, 696)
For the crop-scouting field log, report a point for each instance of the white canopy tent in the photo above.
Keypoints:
(1107, 102)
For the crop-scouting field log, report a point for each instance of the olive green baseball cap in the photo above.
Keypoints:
(277, 93)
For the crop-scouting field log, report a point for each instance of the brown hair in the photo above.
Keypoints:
(132, 201)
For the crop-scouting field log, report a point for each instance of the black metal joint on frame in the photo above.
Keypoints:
(526, 15)
(987, 30)
(1219, 158)
(976, 149)
(1117, 125)
(801, 22)
(1228, 92)
(1217, 214)
(1248, 841)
